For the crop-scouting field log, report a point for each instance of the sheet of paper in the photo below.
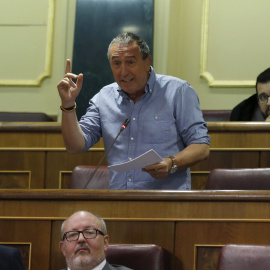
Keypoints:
(148, 158)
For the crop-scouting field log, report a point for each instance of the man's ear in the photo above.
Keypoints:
(148, 61)
(106, 242)
(61, 246)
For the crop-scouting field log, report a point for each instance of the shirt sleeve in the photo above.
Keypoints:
(190, 122)
(90, 124)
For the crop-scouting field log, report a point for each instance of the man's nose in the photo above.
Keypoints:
(124, 70)
(81, 237)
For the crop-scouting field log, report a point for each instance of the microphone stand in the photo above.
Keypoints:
(124, 125)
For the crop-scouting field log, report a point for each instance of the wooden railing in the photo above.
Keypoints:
(32, 155)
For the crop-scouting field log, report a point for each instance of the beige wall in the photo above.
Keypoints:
(231, 52)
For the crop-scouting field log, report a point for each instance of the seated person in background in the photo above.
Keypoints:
(10, 258)
(164, 115)
(256, 107)
(85, 241)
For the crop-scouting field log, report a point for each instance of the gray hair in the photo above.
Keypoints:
(101, 220)
(128, 38)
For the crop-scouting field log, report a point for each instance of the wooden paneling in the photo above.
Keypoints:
(211, 234)
(30, 162)
(229, 158)
(190, 225)
(57, 161)
(15, 179)
(199, 179)
(39, 149)
(64, 179)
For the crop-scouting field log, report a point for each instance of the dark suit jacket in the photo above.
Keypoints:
(114, 267)
(244, 110)
(10, 258)
(111, 267)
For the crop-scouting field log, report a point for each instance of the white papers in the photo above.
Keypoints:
(148, 158)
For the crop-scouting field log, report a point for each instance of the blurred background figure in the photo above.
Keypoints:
(256, 107)
(10, 258)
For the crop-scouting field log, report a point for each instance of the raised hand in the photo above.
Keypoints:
(67, 88)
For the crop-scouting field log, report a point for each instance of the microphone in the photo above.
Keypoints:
(124, 125)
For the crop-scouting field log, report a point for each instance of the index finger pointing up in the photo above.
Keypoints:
(68, 69)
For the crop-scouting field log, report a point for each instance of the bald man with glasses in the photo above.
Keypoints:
(85, 241)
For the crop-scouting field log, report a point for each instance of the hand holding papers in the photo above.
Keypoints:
(148, 158)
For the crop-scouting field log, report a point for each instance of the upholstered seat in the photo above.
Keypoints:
(239, 179)
(139, 257)
(24, 117)
(216, 115)
(82, 173)
(244, 257)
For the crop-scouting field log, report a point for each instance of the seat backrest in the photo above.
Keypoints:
(239, 179)
(216, 115)
(244, 257)
(24, 117)
(82, 173)
(139, 257)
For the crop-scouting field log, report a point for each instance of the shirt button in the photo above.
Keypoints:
(132, 138)
(150, 90)
(130, 158)
(156, 117)
(134, 118)
(129, 179)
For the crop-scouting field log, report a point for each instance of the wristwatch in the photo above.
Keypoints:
(174, 165)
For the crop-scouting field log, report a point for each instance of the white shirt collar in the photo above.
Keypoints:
(98, 267)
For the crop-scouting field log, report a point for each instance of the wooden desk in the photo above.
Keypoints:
(191, 225)
(32, 155)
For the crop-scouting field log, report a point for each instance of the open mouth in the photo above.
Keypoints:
(127, 81)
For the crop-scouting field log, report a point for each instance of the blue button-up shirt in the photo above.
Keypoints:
(167, 118)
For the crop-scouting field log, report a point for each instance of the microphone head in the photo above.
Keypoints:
(124, 125)
(126, 122)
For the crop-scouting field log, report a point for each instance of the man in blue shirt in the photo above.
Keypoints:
(164, 115)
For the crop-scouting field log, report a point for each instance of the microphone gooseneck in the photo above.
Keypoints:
(124, 125)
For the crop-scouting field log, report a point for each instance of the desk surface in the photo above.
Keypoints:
(241, 134)
(56, 126)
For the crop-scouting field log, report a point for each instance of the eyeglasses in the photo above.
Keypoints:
(263, 98)
(87, 234)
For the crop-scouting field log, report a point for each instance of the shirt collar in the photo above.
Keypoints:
(98, 267)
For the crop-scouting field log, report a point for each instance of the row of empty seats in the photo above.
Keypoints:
(152, 257)
(209, 116)
(218, 179)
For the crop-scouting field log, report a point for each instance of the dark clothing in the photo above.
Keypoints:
(115, 267)
(111, 267)
(244, 111)
(10, 258)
